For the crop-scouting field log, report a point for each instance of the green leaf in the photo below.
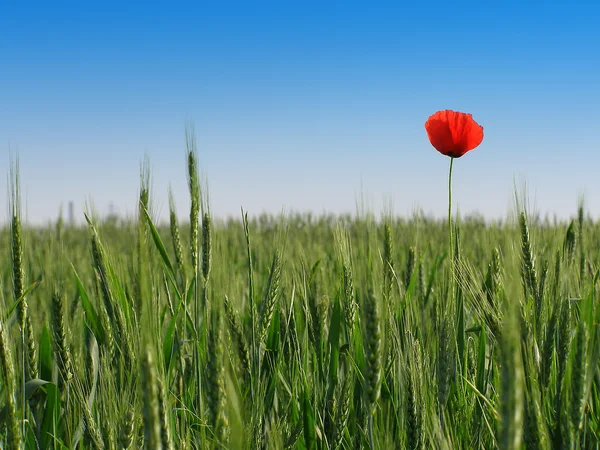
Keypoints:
(189, 296)
(119, 292)
(94, 353)
(481, 356)
(45, 354)
(310, 434)
(313, 271)
(334, 346)
(438, 262)
(272, 340)
(32, 386)
(90, 311)
(413, 280)
(163, 252)
(272, 344)
(51, 420)
(8, 316)
(460, 332)
(334, 358)
(167, 345)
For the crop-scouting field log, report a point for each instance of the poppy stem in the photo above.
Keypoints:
(450, 215)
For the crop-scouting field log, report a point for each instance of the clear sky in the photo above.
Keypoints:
(300, 105)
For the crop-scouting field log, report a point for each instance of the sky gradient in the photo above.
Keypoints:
(300, 106)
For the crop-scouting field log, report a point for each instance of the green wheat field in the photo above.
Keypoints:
(299, 332)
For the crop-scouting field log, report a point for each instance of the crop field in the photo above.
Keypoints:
(298, 331)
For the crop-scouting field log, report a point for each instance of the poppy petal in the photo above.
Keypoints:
(453, 133)
(440, 135)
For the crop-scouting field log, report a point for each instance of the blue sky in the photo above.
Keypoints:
(300, 105)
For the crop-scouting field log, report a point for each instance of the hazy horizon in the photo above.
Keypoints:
(363, 203)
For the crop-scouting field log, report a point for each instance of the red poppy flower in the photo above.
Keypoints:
(453, 133)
